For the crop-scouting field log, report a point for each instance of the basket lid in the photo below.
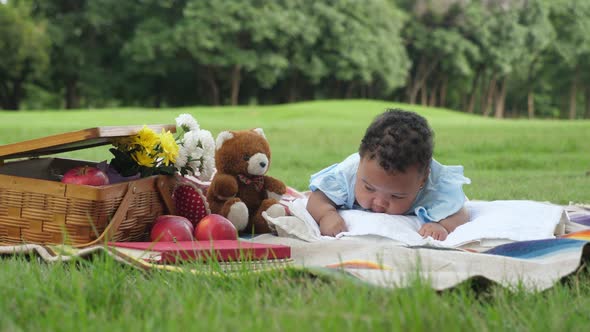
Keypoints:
(74, 140)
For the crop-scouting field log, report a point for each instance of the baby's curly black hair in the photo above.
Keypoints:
(399, 139)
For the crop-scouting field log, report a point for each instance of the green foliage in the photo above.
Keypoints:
(296, 40)
(469, 55)
(24, 48)
(360, 41)
(571, 19)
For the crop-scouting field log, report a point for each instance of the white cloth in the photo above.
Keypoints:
(516, 220)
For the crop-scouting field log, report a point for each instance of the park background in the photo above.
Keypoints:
(68, 65)
(502, 58)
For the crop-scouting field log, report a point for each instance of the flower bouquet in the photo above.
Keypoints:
(191, 152)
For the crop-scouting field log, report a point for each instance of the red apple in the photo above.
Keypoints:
(171, 228)
(215, 227)
(87, 175)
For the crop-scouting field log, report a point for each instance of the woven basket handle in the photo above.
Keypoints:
(117, 219)
(162, 184)
(163, 188)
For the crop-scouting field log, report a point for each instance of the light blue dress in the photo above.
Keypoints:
(441, 196)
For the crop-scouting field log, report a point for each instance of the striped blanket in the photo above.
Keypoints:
(534, 264)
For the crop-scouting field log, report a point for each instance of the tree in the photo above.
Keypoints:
(288, 32)
(152, 54)
(496, 31)
(220, 37)
(440, 51)
(571, 20)
(24, 50)
(336, 48)
(539, 35)
(87, 38)
(361, 44)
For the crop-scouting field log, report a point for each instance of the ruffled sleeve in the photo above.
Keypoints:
(337, 181)
(443, 193)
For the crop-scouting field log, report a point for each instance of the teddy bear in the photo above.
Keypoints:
(240, 190)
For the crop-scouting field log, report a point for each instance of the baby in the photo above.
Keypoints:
(392, 173)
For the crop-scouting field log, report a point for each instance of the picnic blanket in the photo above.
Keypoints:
(533, 264)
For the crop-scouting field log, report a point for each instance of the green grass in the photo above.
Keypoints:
(544, 160)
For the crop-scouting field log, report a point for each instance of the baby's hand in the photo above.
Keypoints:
(435, 230)
(332, 224)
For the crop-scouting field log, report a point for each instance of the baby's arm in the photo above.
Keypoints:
(455, 220)
(440, 230)
(324, 211)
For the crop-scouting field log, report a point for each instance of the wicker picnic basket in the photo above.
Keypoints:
(35, 207)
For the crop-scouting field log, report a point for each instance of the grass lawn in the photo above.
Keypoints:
(542, 160)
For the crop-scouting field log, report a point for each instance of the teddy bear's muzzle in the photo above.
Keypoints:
(258, 164)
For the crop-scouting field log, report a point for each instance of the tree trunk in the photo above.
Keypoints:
(213, 86)
(11, 97)
(292, 96)
(424, 95)
(13, 100)
(489, 96)
(158, 92)
(484, 87)
(531, 103)
(587, 113)
(471, 104)
(337, 87)
(413, 86)
(464, 102)
(235, 84)
(573, 94)
(501, 100)
(432, 96)
(11, 105)
(423, 71)
(349, 89)
(442, 99)
(3, 94)
(72, 96)
(409, 95)
(530, 93)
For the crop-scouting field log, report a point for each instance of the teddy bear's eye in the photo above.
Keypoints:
(246, 157)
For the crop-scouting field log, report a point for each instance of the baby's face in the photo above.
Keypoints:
(383, 192)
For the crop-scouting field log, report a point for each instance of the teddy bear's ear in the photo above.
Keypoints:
(259, 131)
(222, 137)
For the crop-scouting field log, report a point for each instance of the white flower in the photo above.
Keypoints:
(208, 164)
(208, 168)
(187, 122)
(207, 142)
(195, 165)
(182, 157)
(196, 153)
(191, 140)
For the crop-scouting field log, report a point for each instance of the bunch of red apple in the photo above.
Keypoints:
(176, 228)
(86, 175)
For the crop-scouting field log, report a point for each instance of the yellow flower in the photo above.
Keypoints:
(147, 139)
(143, 158)
(169, 147)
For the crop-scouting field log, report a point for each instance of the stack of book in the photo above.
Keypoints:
(225, 253)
